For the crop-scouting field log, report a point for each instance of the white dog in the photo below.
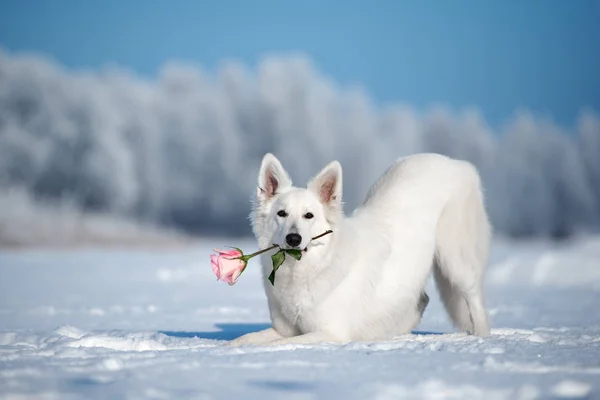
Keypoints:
(365, 281)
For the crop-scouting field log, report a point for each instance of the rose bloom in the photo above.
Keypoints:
(226, 266)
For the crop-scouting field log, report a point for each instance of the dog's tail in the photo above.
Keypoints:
(462, 246)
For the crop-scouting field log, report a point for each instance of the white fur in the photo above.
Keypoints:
(365, 281)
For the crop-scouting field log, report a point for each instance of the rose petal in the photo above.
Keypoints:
(227, 265)
(227, 278)
(214, 260)
(228, 253)
(235, 276)
(232, 254)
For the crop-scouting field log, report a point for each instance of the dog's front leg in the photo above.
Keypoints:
(260, 337)
(307, 338)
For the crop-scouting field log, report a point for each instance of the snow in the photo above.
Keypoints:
(570, 389)
(92, 323)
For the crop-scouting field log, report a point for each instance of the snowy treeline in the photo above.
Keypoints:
(184, 149)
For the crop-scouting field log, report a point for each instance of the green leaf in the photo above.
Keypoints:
(297, 254)
(272, 278)
(278, 259)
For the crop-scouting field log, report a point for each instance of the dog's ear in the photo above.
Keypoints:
(272, 178)
(327, 184)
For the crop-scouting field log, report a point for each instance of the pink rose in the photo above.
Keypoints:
(227, 265)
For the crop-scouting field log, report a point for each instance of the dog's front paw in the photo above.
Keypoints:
(236, 342)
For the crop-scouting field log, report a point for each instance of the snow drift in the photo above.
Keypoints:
(139, 324)
(183, 150)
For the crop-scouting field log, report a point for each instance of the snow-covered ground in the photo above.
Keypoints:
(133, 324)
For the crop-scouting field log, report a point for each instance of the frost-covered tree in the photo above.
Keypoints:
(184, 148)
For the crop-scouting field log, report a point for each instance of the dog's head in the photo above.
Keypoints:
(291, 216)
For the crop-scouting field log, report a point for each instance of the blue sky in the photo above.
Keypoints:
(500, 56)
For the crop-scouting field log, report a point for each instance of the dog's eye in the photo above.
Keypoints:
(282, 213)
(308, 215)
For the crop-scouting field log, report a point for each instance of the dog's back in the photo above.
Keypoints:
(432, 210)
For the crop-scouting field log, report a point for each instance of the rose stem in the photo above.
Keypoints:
(276, 245)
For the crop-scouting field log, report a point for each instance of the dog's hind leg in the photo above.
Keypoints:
(463, 302)
(462, 244)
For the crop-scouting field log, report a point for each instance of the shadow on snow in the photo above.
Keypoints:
(230, 331)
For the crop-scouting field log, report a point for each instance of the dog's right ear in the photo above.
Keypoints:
(272, 178)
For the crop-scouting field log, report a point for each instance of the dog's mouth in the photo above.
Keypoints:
(304, 250)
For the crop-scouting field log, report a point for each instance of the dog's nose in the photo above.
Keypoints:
(293, 239)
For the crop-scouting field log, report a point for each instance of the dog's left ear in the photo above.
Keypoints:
(327, 184)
